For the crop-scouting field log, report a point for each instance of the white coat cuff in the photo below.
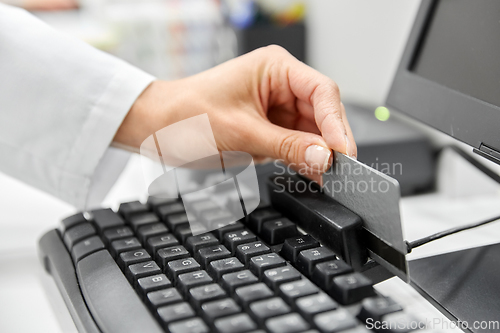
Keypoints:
(97, 133)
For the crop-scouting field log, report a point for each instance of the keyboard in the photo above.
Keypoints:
(292, 265)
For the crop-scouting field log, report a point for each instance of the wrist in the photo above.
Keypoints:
(151, 111)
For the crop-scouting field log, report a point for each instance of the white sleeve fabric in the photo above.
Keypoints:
(61, 103)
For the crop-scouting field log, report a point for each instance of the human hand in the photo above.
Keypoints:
(266, 103)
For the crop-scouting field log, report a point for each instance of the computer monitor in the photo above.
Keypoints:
(449, 79)
(449, 75)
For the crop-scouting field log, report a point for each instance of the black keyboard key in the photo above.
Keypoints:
(154, 202)
(190, 280)
(194, 243)
(78, 233)
(127, 209)
(175, 312)
(192, 325)
(202, 206)
(239, 323)
(176, 220)
(268, 308)
(257, 218)
(250, 201)
(245, 252)
(292, 290)
(351, 288)
(335, 321)
(217, 268)
(163, 256)
(221, 308)
(224, 187)
(151, 230)
(170, 209)
(159, 242)
(310, 306)
(220, 232)
(216, 219)
(233, 239)
(133, 257)
(123, 245)
(113, 234)
(196, 228)
(276, 276)
(259, 264)
(71, 221)
(234, 280)
(292, 246)
(376, 307)
(106, 218)
(137, 271)
(324, 272)
(182, 233)
(254, 292)
(276, 231)
(152, 283)
(308, 259)
(139, 220)
(181, 266)
(261, 204)
(86, 247)
(164, 297)
(206, 293)
(289, 323)
(208, 254)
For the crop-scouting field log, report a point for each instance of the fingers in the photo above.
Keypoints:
(351, 149)
(322, 94)
(305, 109)
(307, 152)
(307, 126)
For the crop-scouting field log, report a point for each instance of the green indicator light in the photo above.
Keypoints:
(382, 113)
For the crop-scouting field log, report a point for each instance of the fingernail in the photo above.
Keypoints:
(317, 157)
(349, 149)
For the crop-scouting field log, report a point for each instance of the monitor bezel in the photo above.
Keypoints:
(463, 117)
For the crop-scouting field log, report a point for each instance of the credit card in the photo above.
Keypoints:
(375, 197)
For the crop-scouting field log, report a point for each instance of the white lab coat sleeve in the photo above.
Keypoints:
(61, 103)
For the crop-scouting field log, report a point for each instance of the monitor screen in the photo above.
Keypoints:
(459, 47)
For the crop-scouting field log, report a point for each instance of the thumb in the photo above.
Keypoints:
(305, 152)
